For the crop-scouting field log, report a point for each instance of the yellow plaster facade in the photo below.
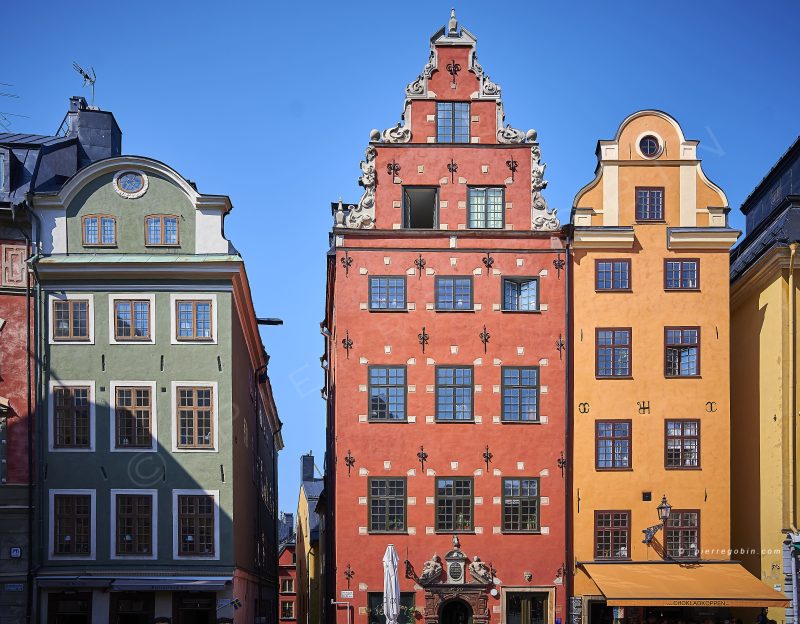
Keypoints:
(308, 565)
(694, 226)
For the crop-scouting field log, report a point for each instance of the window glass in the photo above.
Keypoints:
(682, 352)
(454, 390)
(520, 294)
(682, 444)
(387, 505)
(649, 204)
(387, 293)
(387, 393)
(195, 418)
(454, 504)
(196, 525)
(612, 534)
(453, 293)
(613, 353)
(72, 518)
(681, 275)
(452, 122)
(682, 534)
(520, 400)
(134, 524)
(613, 444)
(613, 275)
(486, 208)
(521, 504)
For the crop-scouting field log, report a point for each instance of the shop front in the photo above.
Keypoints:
(670, 593)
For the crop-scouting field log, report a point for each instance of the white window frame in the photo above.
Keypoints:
(214, 405)
(176, 529)
(51, 413)
(154, 520)
(68, 297)
(112, 400)
(112, 298)
(92, 526)
(173, 331)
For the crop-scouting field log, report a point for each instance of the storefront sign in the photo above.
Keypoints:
(14, 587)
(347, 593)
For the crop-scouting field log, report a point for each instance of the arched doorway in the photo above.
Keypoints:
(456, 612)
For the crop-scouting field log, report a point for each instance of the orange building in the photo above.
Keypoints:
(651, 395)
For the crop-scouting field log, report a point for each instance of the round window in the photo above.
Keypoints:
(649, 146)
(130, 184)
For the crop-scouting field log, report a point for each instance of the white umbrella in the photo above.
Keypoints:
(391, 586)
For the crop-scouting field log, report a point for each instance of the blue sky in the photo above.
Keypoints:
(272, 104)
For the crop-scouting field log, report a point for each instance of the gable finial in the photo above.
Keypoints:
(452, 26)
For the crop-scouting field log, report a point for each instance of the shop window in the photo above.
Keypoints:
(526, 608)
(375, 613)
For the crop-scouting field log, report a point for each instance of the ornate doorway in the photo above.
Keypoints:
(456, 612)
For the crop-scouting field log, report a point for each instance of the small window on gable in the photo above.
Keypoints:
(452, 122)
(99, 230)
(420, 207)
(161, 230)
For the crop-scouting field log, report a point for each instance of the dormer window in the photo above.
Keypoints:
(99, 231)
(161, 230)
(452, 122)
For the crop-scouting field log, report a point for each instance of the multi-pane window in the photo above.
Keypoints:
(452, 122)
(649, 204)
(613, 444)
(99, 230)
(287, 609)
(612, 275)
(387, 504)
(134, 524)
(387, 392)
(387, 293)
(70, 319)
(682, 534)
(521, 505)
(72, 518)
(682, 444)
(520, 294)
(133, 417)
(193, 320)
(520, 402)
(682, 351)
(612, 534)
(71, 415)
(454, 504)
(287, 586)
(681, 274)
(454, 389)
(613, 352)
(486, 208)
(161, 230)
(453, 293)
(131, 319)
(195, 418)
(196, 525)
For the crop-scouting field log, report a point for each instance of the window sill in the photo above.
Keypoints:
(194, 340)
(521, 311)
(650, 221)
(162, 244)
(613, 290)
(388, 421)
(99, 246)
(629, 469)
(439, 421)
(385, 310)
(681, 290)
(521, 422)
(683, 376)
(469, 310)
(621, 377)
(446, 532)
(682, 468)
(531, 532)
(612, 559)
(403, 532)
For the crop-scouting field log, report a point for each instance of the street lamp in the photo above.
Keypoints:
(664, 510)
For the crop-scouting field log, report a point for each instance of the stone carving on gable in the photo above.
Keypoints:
(362, 215)
(489, 89)
(419, 87)
(542, 218)
(398, 134)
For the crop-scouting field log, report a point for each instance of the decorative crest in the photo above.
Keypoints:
(452, 25)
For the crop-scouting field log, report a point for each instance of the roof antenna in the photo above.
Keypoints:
(452, 26)
(88, 79)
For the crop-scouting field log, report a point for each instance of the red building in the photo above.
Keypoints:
(446, 369)
(287, 568)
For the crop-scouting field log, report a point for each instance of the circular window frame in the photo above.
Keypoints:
(642, 137)
(127, 194)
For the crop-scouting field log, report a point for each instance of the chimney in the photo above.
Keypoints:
(307, 465)
(98, 134)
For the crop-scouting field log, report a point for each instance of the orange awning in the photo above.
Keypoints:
(719, 584)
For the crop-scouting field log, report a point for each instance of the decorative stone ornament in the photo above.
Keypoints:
(130, 183)
(362, 216)
(542, 218)
(398, 134)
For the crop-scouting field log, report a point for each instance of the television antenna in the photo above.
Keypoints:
(88, 79)
(5, 122)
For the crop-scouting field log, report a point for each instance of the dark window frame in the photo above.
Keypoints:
(667, 346)
(654, 154)
(614, 348)
(643, 217)
(613, 261)
(537, 388)
(437, 386)
(370, 385)
(71, 413)
(162, 230)
(137, 518)
(194, 409)
(614, 438)
(290, 603)
(453, 133)
(486, 189)
(371, 499)
(194, 337)
(407, 608)
(436, 282)
(681, 438)
(537, 500)
(626, 530)
(132, 337)
(520, 279)
(454, 497)
(196, 518)
(69, 521)
(99, 218)
(681, 530)
(291, 590)
(72, 336)
(127, 412)
(680, 261)
(373, 278)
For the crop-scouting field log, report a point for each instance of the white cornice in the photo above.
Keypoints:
(701, 238)
(603, 238)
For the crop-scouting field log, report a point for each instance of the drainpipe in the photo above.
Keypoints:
(792, 389)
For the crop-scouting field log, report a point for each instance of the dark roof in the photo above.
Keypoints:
(11, 138)
(747, 203)
(313, 488)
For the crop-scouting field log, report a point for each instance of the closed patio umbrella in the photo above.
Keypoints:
(391, 586)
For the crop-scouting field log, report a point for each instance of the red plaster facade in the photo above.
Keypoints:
(287, 579)
(368, 243)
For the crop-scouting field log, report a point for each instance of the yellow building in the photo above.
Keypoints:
(764, 380)
(650, 340)
(310, 590)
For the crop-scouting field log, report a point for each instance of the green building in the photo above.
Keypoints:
(157, 452)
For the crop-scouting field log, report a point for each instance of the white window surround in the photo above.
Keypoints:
(92, 526)
(154, 526)
(652, 134)
(173, 332)
(112, 399)
(112, 320)
(69, 297)
(215, 414)
(176, 534)
(51, 438)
